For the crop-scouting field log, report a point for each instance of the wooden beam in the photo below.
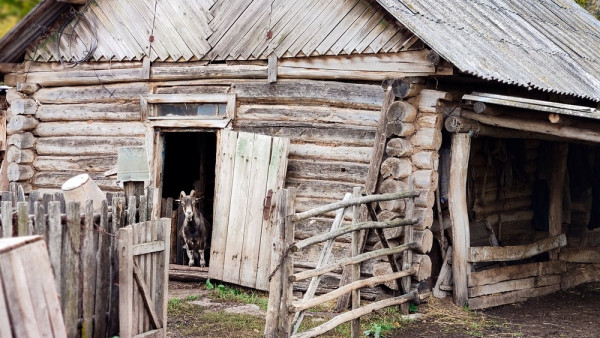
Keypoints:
(514, 253)
(581, 133)
(457, 197)
(6, 67)
(557, 183)
(460, 124)
(580, 255)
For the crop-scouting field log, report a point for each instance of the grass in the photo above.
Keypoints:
(228, 293)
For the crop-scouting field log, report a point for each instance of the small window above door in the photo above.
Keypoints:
(188, 106)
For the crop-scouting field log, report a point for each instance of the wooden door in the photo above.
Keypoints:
(143, 278)
(248, 167)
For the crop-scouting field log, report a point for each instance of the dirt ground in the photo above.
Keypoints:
(197, 312)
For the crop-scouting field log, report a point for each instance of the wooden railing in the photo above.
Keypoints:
(284, 315)
(82, 246)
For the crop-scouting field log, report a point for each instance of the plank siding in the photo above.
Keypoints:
(185, 30)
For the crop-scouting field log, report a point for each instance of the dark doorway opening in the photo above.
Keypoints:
(189, 164)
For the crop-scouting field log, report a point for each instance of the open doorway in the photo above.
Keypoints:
(189, 164)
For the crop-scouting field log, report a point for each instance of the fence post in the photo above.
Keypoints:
(355, 327)
(7, 225)
(88, 262)
(71, 249)
(55, 231)
(125, 282)
(22, 218)
(288, 265)
(102, 273)
(275, 286)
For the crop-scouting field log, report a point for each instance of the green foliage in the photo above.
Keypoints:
(379, 329)
(191, 298)
(173, 304)
(11, 11)
(226, 293)
(413, 308)
(592, 6)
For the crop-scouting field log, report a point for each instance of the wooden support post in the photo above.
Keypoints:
(408, 238)
(457, 198)
(274, 310)
(272, 68)
(133, 188)
(288, 265)
(557, 183)
(355, 327)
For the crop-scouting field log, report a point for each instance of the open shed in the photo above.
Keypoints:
(490, 107)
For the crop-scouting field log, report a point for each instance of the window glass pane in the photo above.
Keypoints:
(191, 109)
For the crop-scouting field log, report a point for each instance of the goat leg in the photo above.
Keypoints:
(202, 261)
(190, 254)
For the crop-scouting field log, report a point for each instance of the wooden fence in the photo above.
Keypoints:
(284, 316)
(82, 245)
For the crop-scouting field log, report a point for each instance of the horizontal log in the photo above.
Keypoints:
(17, 155)
(76, 163)
(425, 179)
(425, 160)
(580, 273)
(396, 168)
(353, 314)
(400, 129)
(399, 147)
(580, 255)
(390, 186)
(28, 87)
(20, 123)
(401, 111)
(87, 145)
(192, 275)
(427, 139)
(54, 180)
(321, 152)
(23, 107)
(513, 285)
(319, 188)
(19, 172)
(333, 171)
(314, 113)
(116, 129)
(513, 253)
(425, 217)
(425, 120)
(580, 132)
(76, 77)
(22, 140)
(510, 297)
(428, 99)
(190, 71)
(304, 92)
(369, 282)
(520, 271)
(299, 245)
(316, 226)
(89, 111)
(421, 267)
(92, 94)
(407, 87)
(338, 135)
(352, 202)
(352, 260)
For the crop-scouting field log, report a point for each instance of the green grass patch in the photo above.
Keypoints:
(228, 293)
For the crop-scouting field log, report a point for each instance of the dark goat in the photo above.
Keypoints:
(194, 229)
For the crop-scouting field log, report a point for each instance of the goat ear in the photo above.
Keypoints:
(193, 193)
(182, 195)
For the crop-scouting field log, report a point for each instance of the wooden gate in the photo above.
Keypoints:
(143, 278)
(250, 169)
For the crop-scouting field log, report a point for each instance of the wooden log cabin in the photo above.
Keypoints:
(490, 107)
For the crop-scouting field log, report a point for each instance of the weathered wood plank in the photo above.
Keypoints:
(90, 111)
(520, 271)
(88, 164)
(517, 252)
(126, 309)
(102, 273)
(71, 268)
(84, 145)
(226, 148)
(331, 93)
(92, 94)
(317, 114)
(118, 129)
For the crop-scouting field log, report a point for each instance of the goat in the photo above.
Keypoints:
(195, 228)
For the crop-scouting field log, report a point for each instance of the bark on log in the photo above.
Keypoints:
(401, 111)
(399, 147)
(396, 168)
(400, 129)
(14, 154)
(17, 172)
(21, 123)
(389, 186)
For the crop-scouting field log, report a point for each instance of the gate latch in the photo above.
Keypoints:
(267, 205)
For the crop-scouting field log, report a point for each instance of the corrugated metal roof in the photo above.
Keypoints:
(187, 30)
(550, 45)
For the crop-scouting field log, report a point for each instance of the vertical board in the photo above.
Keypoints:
(226, 146)
(237, 212)
(252, 230)
(248, 165)
(5, 330)
(275, 180)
